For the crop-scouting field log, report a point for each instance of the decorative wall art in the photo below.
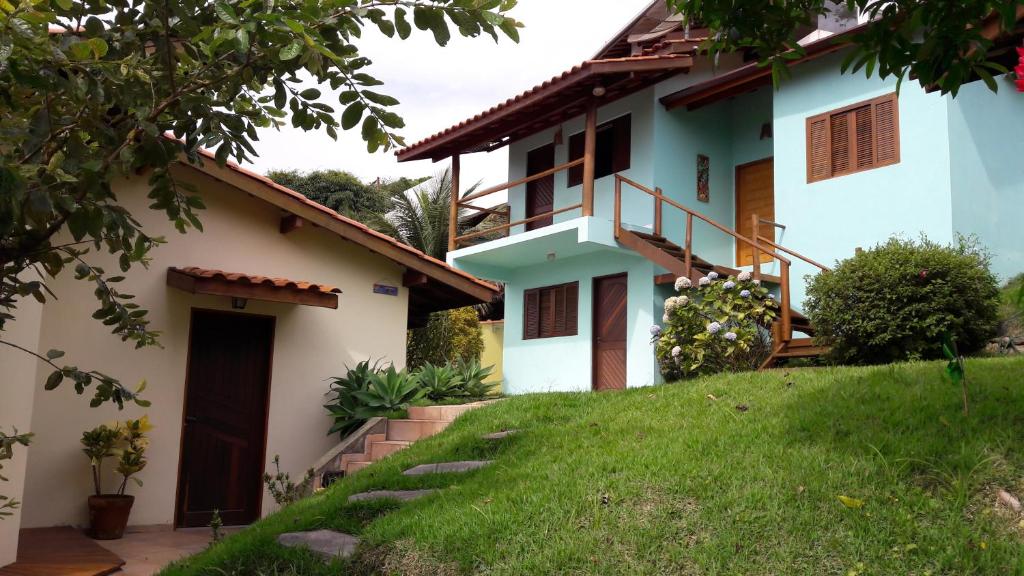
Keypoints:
(703, 178)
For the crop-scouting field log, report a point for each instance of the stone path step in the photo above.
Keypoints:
(447, 467)
(401, 495)
(328, 544)
(500, 435)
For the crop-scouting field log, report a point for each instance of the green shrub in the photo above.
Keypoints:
(720, 325)
(899, 301)
(348, 410)
(471, 377)
(439, 383)
(448, 337)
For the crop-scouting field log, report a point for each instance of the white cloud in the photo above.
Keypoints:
(439, 87)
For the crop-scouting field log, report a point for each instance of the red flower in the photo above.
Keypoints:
(1019, 70)
(923, 274)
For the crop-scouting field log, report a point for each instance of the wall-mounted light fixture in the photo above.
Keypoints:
(239, 303)
(600, 91)
(551, 256)
(766, 131)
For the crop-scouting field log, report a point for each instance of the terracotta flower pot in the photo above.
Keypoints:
(108, 515)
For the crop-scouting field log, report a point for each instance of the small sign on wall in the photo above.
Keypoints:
(703, 178)
(385, 289)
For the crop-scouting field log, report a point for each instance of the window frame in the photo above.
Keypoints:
(621, 152)
(827, 117)
(569, 321)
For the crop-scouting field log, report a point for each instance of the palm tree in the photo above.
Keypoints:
(419, 217)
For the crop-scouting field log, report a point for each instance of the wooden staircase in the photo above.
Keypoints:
(680, 261)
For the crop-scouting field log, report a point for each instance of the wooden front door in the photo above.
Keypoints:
(610, 297)
(224, 432)
(755, 194)
(540, 193)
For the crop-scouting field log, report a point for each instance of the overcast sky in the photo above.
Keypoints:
(439, 87)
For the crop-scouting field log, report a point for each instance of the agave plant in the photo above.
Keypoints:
(440, 382)
(390, 390)
(472, 377)
(348, 412)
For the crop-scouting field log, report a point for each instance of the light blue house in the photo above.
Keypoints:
(649, 162)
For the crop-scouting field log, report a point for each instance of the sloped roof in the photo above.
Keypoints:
(548, 103)
(242, 278)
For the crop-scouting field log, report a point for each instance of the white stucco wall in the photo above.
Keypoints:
(18, 373)
(311, 344)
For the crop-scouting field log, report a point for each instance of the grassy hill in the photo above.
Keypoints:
(728, 475)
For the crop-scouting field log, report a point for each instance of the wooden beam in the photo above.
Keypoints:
(589, 160)
(291, 223)
(221, 287)
(453, 215)
(412, 278)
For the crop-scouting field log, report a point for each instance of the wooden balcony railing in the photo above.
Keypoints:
(466, 203)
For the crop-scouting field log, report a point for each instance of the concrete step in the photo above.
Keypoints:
(383, 449)
(444, 413)
(353, 467)
(370, 439)
(356, 457)
(413, 430)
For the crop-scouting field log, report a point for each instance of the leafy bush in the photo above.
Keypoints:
(900, 300)
(127, 441)
(350, 413)
(282, 488)
(390, 390)
(448, 337)
(471, 378)
(720, 325)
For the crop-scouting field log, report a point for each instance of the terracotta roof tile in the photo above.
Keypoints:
(300, 198)
(483, 116)
(238, 277)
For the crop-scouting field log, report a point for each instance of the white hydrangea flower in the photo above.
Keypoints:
(683, 300)
(757, 282)
(670, 304)
(704, 281)
(744, 276)
(729, 285)
(682, 283)
(714, 327)
(666, 319)
(730, 336)
(676, 352)
(713, 275)
(745, 294)
(655, 330)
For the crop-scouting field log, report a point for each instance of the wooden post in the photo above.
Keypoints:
(618, 206)
(657, 213)
(589, 160)
(688, 258)
(787, 318)
(453, 216)
(756, 252)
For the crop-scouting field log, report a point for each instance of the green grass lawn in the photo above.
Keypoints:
(678, 480)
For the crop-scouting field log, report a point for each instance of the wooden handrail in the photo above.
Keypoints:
(793, 253)
(519, 222)
(724, 229)
(502, 212)
(521, 181)
(770, 223)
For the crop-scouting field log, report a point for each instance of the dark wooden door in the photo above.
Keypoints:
(540, 194)
(610, 298)
(755, 194)
(225, 418)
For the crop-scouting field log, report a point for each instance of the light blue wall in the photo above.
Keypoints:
(564, 364)
(987, 148)
(728, 132)
(830, 219)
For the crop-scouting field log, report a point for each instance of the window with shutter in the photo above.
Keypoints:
(551, 311)
(852, 139)
(611, 155)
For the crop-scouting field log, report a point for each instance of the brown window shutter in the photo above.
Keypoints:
(865, 137)
(572, 309)
(887, 131)
(818, 155)
(558, 311)
(839, 134)
(531, 314)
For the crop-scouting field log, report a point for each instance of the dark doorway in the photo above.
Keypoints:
(609, 349)
(540, 193)
(224, 432)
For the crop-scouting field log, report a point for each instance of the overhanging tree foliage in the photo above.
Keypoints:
(343, 191)
(940, 43)
(91, 89)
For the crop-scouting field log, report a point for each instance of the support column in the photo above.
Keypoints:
(453, 216)
(589, 160)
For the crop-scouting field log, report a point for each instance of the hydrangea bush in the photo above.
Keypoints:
(717, 325)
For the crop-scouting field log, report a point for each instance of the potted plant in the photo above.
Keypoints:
(127, 441)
